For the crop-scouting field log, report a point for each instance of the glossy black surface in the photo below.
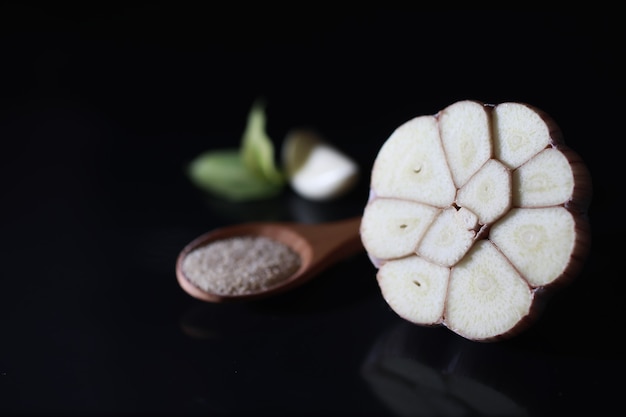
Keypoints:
(101, 107)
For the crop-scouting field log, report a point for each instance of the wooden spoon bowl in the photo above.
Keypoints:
(318, 245)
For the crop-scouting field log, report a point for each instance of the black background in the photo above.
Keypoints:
(103, 104)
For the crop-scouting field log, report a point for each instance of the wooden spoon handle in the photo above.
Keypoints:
(331, 241)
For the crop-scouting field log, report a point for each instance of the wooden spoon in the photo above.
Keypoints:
(319, 246)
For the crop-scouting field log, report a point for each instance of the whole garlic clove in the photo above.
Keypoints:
(316, 170)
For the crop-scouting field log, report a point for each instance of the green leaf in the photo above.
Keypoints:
(223, 173)
(257, 149)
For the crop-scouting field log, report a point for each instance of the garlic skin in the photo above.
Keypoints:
(316, 170)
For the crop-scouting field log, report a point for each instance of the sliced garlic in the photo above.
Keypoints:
(471, 211)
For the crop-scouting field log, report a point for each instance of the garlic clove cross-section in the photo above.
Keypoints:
(395, 227)
(486, 295)
(472, 211)
(412, 165)
(447, 239)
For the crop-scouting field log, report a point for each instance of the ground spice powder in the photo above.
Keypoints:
(240, 265)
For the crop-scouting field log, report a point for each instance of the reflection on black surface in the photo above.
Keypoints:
(308, 211)
(429, 372)
(288, 206)
(218, 322)
(194, 323)
(271, 209)
(419, 371)
(343, 286)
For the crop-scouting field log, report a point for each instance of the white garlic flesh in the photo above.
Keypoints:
(316, 169)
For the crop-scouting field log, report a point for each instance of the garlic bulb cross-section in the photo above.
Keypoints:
(472, 211)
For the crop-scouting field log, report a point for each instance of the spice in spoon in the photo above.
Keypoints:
(240, 265)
